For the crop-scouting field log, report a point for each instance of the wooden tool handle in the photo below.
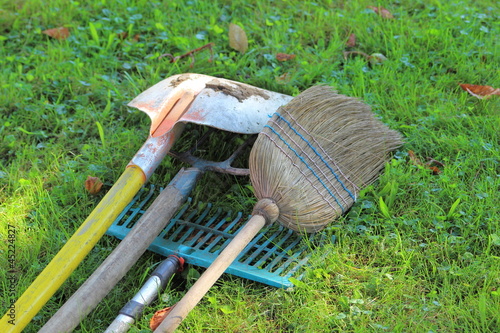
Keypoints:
(211, 275)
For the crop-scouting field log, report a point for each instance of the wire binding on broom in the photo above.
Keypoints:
(304, 157)
(353, 196)
(300, 169)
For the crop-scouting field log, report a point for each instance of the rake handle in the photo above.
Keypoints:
(211, 275)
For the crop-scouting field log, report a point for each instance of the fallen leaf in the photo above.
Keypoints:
(351, 42)
(93, 185)
(435, 170)
(57, 33)
(158, 317)
(284, 78)
(284, 56)
(237, 38)
(482, 92)
(382, 12)
(123, 35)
(429, 165)
(414, 159)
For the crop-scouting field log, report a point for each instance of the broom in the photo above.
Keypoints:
(307, 166)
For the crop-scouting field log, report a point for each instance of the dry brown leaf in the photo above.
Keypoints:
(429, 165)
(123, 35)
(57, 33)
(482, 92)
(435, 169)
(237, 38)
(351, 42)
(348, 54)
(382, 12)
(93, 185)
(158, 317)
(284, 78)
(284, 56)
(413, 158)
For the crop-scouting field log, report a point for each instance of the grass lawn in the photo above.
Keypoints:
(419, 251)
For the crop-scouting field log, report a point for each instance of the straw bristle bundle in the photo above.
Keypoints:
(316, 153)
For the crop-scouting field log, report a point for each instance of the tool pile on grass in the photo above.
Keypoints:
(186, 98)
(307, 167)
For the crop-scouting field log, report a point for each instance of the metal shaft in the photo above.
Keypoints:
(146, 295)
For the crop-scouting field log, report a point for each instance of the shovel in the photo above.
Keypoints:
(196, 98)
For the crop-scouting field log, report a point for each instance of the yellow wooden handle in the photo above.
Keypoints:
(73, 252)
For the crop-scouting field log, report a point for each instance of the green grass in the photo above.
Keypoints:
(418, 252)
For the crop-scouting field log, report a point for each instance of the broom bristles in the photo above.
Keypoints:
(316, 153)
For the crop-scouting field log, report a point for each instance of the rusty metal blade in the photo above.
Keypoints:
(224, 104)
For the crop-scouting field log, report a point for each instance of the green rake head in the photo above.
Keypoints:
(199, 235)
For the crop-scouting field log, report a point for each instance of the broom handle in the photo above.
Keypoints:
(211, 275)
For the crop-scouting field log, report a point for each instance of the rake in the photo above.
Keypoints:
(198, 235)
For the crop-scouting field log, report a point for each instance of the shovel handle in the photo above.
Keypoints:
(212, 274)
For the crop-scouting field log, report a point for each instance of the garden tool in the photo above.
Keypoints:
(306, 167)
(171, 103)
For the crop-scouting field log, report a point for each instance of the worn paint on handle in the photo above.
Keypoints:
(154, 150)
